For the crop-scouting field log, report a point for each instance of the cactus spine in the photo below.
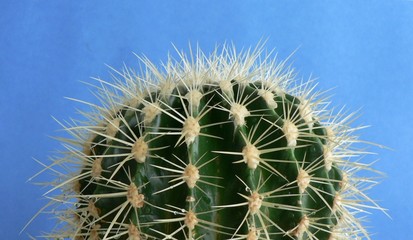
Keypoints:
(213, 147)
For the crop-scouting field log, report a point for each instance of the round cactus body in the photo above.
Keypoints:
(217, 147)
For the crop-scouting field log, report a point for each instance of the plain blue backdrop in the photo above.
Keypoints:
(361, 48)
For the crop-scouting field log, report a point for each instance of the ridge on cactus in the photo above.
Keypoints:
(220, 146)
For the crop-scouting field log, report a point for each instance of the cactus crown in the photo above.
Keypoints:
(226, 146)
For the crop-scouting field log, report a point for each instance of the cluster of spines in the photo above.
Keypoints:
(144, 98)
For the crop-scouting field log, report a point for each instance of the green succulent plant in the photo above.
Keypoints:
(225, 146)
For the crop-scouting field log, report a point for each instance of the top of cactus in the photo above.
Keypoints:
(283, 131)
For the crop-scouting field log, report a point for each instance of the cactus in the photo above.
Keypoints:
(226, 146)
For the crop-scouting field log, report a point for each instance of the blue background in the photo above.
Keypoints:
(361, 48)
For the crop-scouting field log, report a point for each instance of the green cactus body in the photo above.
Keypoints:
(215, 148)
